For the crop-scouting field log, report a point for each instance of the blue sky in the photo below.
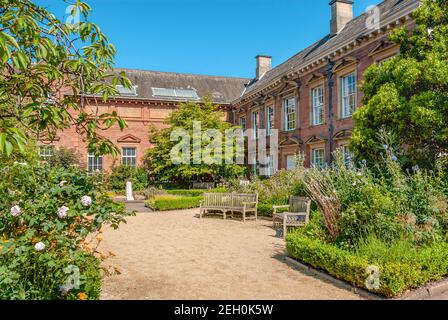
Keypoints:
(215, 37)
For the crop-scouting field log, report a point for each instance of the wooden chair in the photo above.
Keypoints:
(298, 214)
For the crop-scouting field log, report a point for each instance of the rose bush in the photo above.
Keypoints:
(47, 216)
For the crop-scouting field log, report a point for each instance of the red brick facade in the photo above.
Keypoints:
(323, 65)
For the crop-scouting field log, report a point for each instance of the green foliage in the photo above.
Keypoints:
(116, 180)
(194, 192)
(40, 56)
(158, 159)
(171, 202)
(65, 158)
(274, 191)
(407, 95)
(41, 192)
(401, 266)
(386, 202)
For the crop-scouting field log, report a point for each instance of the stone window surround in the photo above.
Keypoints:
(269, 129)
(312, 86)
(127, 157)
(296, 111)
(313, 148)
(344, 72)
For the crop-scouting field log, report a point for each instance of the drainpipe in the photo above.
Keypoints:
(329, 75)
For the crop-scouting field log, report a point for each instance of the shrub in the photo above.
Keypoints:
(46, 217)
(194, 192)
(116, 180)
(401, 266)
(171, 202)
(66, 157)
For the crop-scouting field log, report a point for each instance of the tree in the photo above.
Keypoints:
(41, 58)
(182, 122)
(408, 95)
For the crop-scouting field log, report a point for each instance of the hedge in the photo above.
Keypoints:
(194, 192)
(396, 278)
(170, 202)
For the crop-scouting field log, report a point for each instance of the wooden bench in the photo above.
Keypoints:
(229, 202)
(203, 185)
(298, 214)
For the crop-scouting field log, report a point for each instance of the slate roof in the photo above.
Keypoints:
(221, 89)
(354, 29)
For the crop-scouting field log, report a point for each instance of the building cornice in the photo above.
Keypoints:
(401, 18)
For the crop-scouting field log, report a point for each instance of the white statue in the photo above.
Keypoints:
(129, 195)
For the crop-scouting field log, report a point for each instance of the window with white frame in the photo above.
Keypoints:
(129, 156)
(270, 120)
(347, 154)
(270, 169)
(348, 95)
(318, 157)
(289, 109)
(255, 124)
(46, 152)
(382, 61)
(254, 164)
(317, 109)
(94, 163)
(243, 123)
(291, 162)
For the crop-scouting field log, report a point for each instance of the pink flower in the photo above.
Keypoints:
(15, 211)
(86, 201)
(62, 212)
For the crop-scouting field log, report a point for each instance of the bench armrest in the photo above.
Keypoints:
(245, 204)
(279, 207)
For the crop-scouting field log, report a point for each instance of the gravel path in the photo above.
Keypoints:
(174, 255)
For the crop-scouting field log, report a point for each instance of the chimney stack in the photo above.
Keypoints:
(341, 14)
(264, 64)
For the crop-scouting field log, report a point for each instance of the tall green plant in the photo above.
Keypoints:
(46, 68)
(407, 95)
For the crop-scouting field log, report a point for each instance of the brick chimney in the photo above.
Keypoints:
(264, 64)
(341, 13)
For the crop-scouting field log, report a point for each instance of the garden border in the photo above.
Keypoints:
(429, 290)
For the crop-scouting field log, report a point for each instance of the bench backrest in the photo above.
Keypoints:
(230, 200)
(299, 204)
(203, 185)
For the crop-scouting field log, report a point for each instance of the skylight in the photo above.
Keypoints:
(127, 92)
(189, 94)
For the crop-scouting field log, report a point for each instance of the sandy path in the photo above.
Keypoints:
(173, 255)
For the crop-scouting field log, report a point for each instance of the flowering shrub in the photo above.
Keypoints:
(46, 216)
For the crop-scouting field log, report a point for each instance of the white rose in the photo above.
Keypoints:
(62, 212)
(15, 211)
(39, 246)
(62, 183)
(86, 201)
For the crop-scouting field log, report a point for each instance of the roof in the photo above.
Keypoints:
(221, 89)
(354, 29)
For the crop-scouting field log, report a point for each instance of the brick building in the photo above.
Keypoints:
(153, 97)
(309, 98)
